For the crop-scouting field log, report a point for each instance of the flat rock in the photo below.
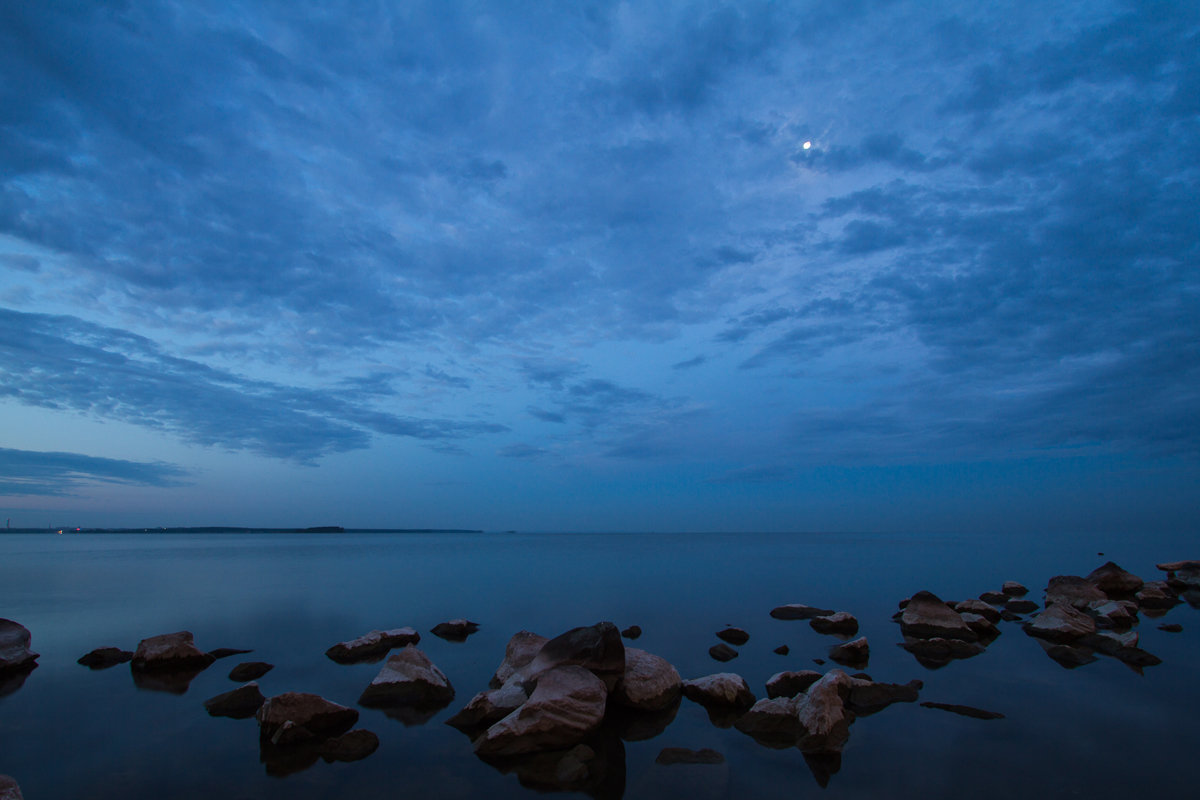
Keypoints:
(853, 654)
(350, 746)
(1171, 627)
(566, 706)
(791, 683)
(650, 683)
(226, 652)
(823, 715)
(15, 639)
(372, 644)
(105, 657)
(296, 717)
(1156, 595)
(720, 689)
(1013, 589)
(1061, 623)
(632, 632)
(489, 707)
(840, 623)
(926, 616)
(799, 611)
(597, 648)
(964, 711)
(408, 678)
(773, 722)
(722, 652)
(1176, 566)
(9, 790)
(733, 636)
(977, 606)
(1115, 581)
(683, 755)
(455, 630)
(1021, 606)
(241, 703)
(519, 651)
(250, 671)
(994, 598)
(1072, 590)
(170, 651)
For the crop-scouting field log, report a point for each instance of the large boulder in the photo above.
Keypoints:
(1072, 590)
(241, 703)
(721, 689)
(1114, 581)
(519, 651)
(9, 790)
(791, 683)
(170, 652)
(408, 678)
(566, 706)
(823, 715)
(298, 717)
(650, 683)
(105, 657)
(489, 707)
(14, 647)
(597, 648)
(773, 722)
(841, 623)
(927, 616)
(1061, 623)
(372, 645)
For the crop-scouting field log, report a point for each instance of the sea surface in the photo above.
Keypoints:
(1101, 730)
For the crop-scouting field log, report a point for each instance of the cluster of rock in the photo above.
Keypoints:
(937, 632)
(843, 624)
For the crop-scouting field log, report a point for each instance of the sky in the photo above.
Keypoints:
(868, 266)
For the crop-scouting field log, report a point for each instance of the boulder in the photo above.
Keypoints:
(790, 684)
(519, 651)
(994, 598)
(773, 722)
(350, 746)
(682, 755)
(1013, 589)
(733, 636)
(867, 697)
(297, 717)
(650, 683)
(926, 616)
(632, 632)
(105, 657)
(15, 654)
(241, 703)
(840, 623)
(721, 689)
(798, 611)
(823, 714)
(852, 654)
(976, 606)
(722, 652)
(1119, 614)
(489, 707)
(9, 790)
(170, 652)
(250, 671)
(597, 648)
(372, 645)
(1072, 590)
(1114, 581)
(1021, 606)
(566, 706)
(408, 678)
(455, 630)
(1156, 595)
(986, 629)
(1060, 623)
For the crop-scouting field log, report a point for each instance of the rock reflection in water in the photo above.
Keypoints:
(595, 767)
(171, 681)
(13, 679)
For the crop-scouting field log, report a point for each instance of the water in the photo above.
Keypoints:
(1101, 730)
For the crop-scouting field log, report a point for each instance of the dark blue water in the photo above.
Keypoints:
(1098, 731)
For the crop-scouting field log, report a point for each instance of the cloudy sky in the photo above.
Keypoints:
(600, 266)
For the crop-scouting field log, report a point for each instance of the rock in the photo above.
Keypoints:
(1176, 566)
(790, 684)
(520, 650)
(841, 623)
(1171, 627)
(975, 606)
(487, 708)
(351, 746)
(1021, 606)
(994, 598)
(1114, 581)
(566, 706)
(852, 654)
(455, 630)
(372, 645)
(9, 790)
(632, 632)
(170, 651)
(722, 652)
(1072, 590)
(1010, 616)
(241, 703)
(682, 755)
(823, 714)
(981, 625)
(1109, 642)
(296, 717)
(1156, 595)
(15, 654)
(597, 648)
(721, 689)
(965, 711)
(782, 650)
(867, 697)
(798, 611)
(408, 678)
(773, 722)
(938, 652)
(105, 657)
(1013, 589)
(926, 616)
(1119, 614)
(733, 636)
(226, 652)
(1060, 623)
(250, 671)
(650, 683)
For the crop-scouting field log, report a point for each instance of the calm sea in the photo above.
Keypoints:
(1098, 731)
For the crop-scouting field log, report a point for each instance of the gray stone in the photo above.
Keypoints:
(823, 715)
(489, 707)
(773, 722)
(1072, 590)
(455, 630)
(852, 654)
(722, 652)
(840, 623)
(976, 606)
(1061, 623)
(1156, 595)
(520, 650)
(1013, 589)
(799, 611)
(250, 671)
(926, 616)
(241, 703)
(733, 636)
(1115, 581)
(597, 648)
(720, 689)
(791, 683)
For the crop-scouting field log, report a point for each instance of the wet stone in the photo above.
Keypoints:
(722, 652)
(250, 671)
(733, 636)
(105, 657)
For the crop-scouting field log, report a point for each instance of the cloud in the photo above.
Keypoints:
(30, 472)
(521, 450)
(690, 363)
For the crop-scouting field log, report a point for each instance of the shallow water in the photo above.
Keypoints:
(1101, 730)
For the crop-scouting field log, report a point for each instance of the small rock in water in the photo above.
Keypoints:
(351, 746)
(782, 650)
(241, 703)
(791, 683)
(1021, 606)
(799, 611)
(408, 678)
(1061, 623)
(852, 654)
(170, 651)
(994, 598)
(682, 755)
(840, 623)
(105, 657)
(1013, 589)
(226, 652)
(9, 790)
(372, 645)
(733, 636)
(296, 717)
(1171, 627)
(722, 652)
(1114, 581)
(632, 632)
(455, 630)
(818, 661)
(966, 711)
(722, 689)
(927, 616)
(249, 671)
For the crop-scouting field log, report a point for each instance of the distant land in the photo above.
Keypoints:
(319, 529)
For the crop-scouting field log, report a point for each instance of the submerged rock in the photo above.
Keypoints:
(1171, 627)
(250, 671)
(15, 654)
(226, 652)
(650, 683)
(566, 706)
(170, 651)
(350, 746)
(964, 711)
(455, 630)
(733, 636)
(519, 651)
(938, 652)
(867, 697)
(926, 616)
(408, 678)
(297, 717)
(791, 683)
(722, 652)
(840, 623)
(372, 645)
(241, 703)
(105, 657)
(979, 608)
(799, 611)
(1021, 606)
(682, 755)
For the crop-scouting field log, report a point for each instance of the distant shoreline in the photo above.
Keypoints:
(222, 529)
